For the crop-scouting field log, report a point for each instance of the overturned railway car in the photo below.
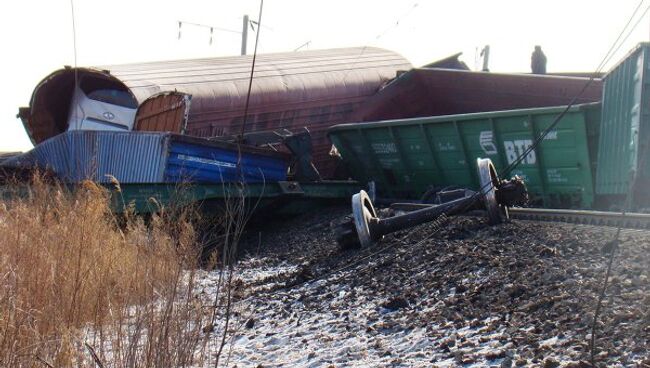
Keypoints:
(425, 92)
(207, 97)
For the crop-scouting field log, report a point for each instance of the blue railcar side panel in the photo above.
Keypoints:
(196, 163)
(148, 157)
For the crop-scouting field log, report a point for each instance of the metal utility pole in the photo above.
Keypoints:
(244, 35)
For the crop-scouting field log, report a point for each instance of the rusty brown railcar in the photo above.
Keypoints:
(425, 92)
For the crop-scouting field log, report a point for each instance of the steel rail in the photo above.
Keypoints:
(629, 220)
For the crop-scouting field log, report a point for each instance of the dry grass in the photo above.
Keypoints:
(79, 290)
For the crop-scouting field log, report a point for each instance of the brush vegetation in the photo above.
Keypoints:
(81, 287)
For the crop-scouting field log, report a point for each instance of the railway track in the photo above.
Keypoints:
(597, 218)
(631, 220)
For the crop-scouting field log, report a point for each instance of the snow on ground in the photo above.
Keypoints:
(470, 295)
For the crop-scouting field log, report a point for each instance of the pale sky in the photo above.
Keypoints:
(37, 35)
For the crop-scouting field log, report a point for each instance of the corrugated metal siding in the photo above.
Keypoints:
(78, 155)
(198, 163)
(625, 123)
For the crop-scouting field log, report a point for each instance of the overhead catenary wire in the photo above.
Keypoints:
(181, 22)
(209, 27)
(301, 46)
(621, 34)
(397, 22)
(383, 33)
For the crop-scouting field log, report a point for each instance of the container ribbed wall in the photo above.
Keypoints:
(625, 124)
(78, 155)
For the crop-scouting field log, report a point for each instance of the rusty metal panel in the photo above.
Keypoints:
(39, 124)
(433, 92)
(164, 112)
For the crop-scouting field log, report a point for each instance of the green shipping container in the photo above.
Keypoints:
(410, 156)
(625, 130)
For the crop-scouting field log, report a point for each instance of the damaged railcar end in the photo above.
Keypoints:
(78, 99)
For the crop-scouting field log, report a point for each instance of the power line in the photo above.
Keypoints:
(621, 34)
(630, 32)
(382, 34)
(399, 19)
(181, 22)
(301, 46)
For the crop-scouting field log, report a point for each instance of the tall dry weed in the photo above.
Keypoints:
(80, 287)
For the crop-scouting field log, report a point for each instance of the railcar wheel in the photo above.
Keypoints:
(488, 181)
(363, 212)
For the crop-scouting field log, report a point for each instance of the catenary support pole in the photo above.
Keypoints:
(244, 35)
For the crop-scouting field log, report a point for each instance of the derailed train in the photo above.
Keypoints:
(442, 119)
(308, 89)
(594, 157)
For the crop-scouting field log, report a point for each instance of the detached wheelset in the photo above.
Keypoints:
(494, 196)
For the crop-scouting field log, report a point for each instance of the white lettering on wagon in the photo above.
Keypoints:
(384, 147)
(552, 135)
(446, 146)
(516, 148)
(207, 161)
(486, 140)
(555, 176)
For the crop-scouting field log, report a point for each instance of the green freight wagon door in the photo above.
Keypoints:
(408, 157)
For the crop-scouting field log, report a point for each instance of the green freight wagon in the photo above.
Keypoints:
(271, 199)
(625, 132)
(409, 157)
(287, 198)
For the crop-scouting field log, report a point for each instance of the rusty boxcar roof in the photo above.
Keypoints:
(287, 76)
